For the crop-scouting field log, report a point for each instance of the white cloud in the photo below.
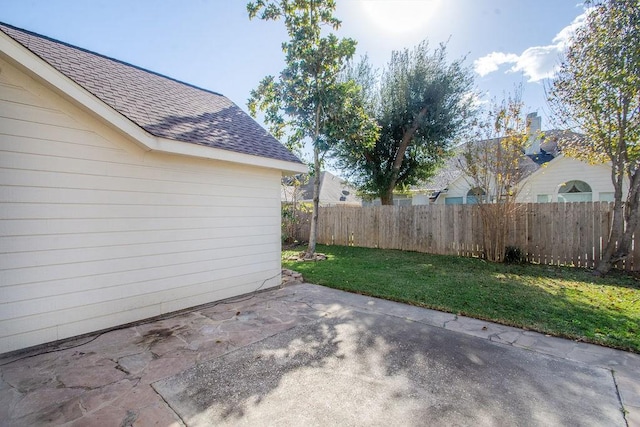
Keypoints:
(477, 99)
(564, 36)
(491, 62)
(537, 62)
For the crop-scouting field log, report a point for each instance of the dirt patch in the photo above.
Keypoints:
(302, 257)
(289, 277)
(155, 336)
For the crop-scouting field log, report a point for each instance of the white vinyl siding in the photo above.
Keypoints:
(95, 232)
(551, 176)
(420, 199)
(606, 196)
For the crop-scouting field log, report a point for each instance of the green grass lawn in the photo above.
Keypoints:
(561, 301)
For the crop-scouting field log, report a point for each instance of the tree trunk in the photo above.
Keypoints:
(313, 232)
(386, 199)
(631, 220)
(619, 244)
(623, 227)
(617, 230)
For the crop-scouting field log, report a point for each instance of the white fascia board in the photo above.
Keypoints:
(543, 168)
(37, 67)
(299, 168)
(194, 150)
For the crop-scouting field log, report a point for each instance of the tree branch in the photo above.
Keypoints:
(407, 136)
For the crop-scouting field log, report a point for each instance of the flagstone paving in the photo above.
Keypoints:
(139, 375)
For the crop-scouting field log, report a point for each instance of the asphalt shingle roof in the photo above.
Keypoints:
(162, 106)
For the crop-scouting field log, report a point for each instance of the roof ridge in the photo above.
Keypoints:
(128, 64)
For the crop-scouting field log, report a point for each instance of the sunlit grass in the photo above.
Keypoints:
(566, 302)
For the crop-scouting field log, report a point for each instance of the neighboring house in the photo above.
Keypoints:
(415, 197)
(548, 176)
(565, 179)
(124, 194)
(334, 191)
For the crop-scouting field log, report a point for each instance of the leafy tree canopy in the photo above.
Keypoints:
(301, 102)
(420, 103)
(308, 102)
(597, 90)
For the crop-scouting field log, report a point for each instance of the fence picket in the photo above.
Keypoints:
(547, 233)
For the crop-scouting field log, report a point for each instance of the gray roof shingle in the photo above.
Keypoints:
(162, 106)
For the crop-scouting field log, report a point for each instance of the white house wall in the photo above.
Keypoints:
(459, 187)
(549, 178)
(95, 232)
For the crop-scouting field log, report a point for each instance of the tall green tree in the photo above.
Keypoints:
(306, 102)
(421, 103)
(597, 91)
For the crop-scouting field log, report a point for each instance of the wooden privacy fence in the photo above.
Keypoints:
(547, 233)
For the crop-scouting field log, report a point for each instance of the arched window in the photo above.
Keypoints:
(574, 191)
(475, 195)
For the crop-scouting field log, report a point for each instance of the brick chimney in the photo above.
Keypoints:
(534, 126)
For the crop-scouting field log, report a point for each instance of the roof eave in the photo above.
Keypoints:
(535, 173)
(194, 150)
(37, 68)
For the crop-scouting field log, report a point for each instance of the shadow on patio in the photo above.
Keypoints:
(301, 355)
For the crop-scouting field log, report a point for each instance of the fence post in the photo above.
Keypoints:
(549, 233)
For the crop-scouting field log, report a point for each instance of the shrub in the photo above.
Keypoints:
(513, 255)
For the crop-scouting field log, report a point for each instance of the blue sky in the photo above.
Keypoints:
(214, 45)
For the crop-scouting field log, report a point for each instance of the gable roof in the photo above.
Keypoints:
(162, 106)
(333, 190)
(550, 148)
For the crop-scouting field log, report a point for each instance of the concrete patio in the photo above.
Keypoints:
(309, 355)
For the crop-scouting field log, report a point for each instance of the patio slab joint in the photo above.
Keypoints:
(114, 377)
(178, 416)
